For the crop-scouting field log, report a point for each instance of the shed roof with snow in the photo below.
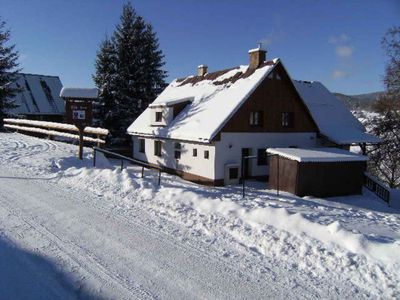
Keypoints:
(317, 154)
(37, 95)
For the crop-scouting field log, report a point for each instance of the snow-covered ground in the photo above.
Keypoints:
(68, 230)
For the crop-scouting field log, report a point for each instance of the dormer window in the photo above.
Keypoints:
(158, 116)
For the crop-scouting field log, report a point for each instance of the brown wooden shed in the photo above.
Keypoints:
(319, 172)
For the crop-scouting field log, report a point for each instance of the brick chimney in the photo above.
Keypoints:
(201, 70)
(257, 57)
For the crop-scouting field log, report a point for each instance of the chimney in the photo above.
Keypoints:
(257, 57)
(201, 70)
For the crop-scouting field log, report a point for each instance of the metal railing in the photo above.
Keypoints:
(132, 160)
(377, 187)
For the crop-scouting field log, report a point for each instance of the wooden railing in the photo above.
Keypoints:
(51, 129)
(374, 185)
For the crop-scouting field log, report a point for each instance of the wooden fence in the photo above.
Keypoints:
(51, 129)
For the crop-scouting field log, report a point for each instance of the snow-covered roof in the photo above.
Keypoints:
(38, 94)
(214, 99)
(171, 102)
(79, 93)
(332, 117)
(317, 154)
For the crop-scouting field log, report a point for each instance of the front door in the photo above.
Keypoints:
(246, 162)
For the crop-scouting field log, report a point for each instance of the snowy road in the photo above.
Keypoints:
(109, 255)
(69, 231)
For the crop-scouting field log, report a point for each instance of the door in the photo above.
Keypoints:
(246, 162)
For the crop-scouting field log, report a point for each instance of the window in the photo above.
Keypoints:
(233, 173)
(288, 119)
(158, 116)
(256, 118)
(262, 157)
(194, 152)
(157, 148)
(206, 154)
(142, 145)
(177, 150)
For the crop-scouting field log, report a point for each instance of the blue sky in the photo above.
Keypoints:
(335, 42)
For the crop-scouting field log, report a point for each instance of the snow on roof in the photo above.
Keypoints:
(317, 154)
(256, 49)
(38, 94)
(215, 98)
(79, 93)
(333, 119)
(171, 102)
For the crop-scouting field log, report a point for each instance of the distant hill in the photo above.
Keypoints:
(359, 102)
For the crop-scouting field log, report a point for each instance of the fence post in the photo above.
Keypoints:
(94, 157)
(159, 177)
(142, 172)
(243, 183)
(122, 164)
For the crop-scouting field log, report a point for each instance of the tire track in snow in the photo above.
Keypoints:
(74, 253)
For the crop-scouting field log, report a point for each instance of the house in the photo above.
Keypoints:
(201, 126)
(38, 97)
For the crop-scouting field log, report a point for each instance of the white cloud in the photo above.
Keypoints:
(343, 38)
(337, 74)
(344, 51)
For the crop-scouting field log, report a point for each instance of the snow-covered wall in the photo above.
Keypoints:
(188, 163)
(229, 149)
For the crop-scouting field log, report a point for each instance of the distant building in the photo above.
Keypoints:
(201, 127)
(38, 97)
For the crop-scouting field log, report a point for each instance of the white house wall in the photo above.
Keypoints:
(229, 148)
(195, 165)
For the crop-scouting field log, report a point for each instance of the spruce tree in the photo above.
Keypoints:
(105, 81)
(138, 76)
(8, 69)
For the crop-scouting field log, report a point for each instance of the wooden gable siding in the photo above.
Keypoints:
(272, 97)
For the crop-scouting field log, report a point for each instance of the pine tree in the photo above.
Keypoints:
(8, 69)
(138, 76)
(105, 81)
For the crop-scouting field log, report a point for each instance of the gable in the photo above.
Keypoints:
(274, 96)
